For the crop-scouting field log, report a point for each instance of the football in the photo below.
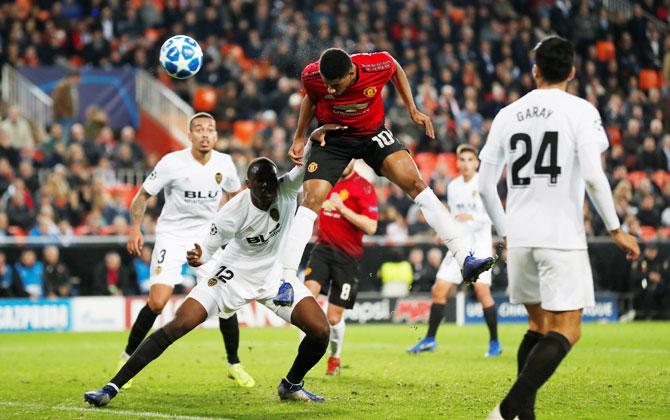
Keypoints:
(181, 57)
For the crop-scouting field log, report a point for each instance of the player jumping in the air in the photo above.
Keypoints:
(193, 181)
(254, 225)
(467, 207)
(349, 212)
(551, 142)
(347, 90)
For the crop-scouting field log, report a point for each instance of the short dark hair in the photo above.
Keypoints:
(261, 166)
(200, 115)
(334, 63)
(555, 56)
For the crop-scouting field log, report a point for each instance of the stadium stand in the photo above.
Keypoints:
(465, 61)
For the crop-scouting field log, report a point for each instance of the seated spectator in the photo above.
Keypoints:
(8, 151)
(142, 269)
(17, 128)
(27, 173)
(45, 228)
(420, 228)
(395, 275)
(30, 274)
(116, 207)
(127, 137)
(427, 276)
(8, 284)
(118, 227)
(649, 158)
(396, 230)
(57, 279)
(19, 212)
(111, 277)
(647, 214)
(6, 176)
(650, 279)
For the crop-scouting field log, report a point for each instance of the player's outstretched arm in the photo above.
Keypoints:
(362, 222)
(599, 190)
(296, 151)
(137, 209)
(399, 80)
(319, 135)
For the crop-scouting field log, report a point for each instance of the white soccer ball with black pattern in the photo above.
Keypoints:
(181, 57)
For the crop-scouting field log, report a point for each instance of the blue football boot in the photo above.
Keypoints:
(473, 267)
(289, 392)
(285, 295)
(495, 349)
(101, 397)
(427, 344)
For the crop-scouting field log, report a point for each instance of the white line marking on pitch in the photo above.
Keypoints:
(106, 411)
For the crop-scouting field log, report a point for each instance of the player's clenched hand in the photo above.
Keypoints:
(336, 200)
(135, 242)
(295, 153)
(627, 243)
(422, 119)
(319, 135)
(193, 256)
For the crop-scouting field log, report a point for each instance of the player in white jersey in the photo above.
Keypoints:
(194, 181)
(551, 142)
(254, 225)
(468, 209)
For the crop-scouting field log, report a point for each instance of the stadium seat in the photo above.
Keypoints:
(605, 50)
(449, 159)
(648, 232)
(204, 99)
(660, 178)
(244, 130)
(636, 176)
(426, 162)
(614, 135)
(649, 78)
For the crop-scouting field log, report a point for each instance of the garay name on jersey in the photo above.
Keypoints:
(534, 112)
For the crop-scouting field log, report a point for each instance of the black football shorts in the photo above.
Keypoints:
(336, 272)
(329, 161)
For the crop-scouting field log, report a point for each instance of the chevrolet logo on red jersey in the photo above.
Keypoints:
(350, 107)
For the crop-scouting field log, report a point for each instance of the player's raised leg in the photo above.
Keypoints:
(440, 292)
(230, 330)
(483, 293)
(399, 168)
(189, 315)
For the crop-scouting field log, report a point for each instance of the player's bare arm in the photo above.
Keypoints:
(193, 256)
(297, 149)
(362, 222)
(319, 135)
(627, 243)
(137, 209)
(401, 84)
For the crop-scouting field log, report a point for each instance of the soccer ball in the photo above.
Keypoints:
(181, 57)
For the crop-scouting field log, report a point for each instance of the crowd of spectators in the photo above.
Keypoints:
(465, 61)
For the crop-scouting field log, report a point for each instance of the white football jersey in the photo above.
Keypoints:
(463, 197)
(192, 191)
(254, 237)
(538, 137)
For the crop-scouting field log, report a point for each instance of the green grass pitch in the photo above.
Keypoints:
(617, 371)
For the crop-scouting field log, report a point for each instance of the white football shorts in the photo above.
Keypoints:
(560, 280)
(167, 259)
(226, 298)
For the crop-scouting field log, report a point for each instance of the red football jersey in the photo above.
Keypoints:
(360, 196)
(360, 106)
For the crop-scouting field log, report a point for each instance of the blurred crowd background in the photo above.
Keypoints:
(465, 61)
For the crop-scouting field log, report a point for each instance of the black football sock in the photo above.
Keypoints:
(143, 323)
(491, 318)
(150, 349)
(540, 365)
(529, 340)
(230, 330)
(311, 350)
(435, 318)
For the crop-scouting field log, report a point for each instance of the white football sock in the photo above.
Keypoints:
(298, 237)
(439, 218)
(336, 338)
